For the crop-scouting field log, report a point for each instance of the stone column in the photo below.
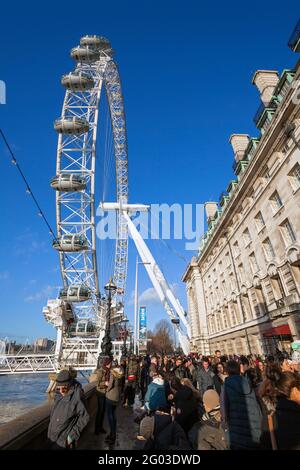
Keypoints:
(193, 313)
(201, 308)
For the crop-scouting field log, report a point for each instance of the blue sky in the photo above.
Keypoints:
(186, 70)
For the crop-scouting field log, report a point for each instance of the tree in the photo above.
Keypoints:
(161, 339)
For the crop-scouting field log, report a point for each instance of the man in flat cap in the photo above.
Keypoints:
(68, 416)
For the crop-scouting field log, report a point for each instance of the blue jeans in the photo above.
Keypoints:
(100, 411)
(111, 416)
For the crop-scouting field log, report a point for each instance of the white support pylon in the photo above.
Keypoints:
(160, 284)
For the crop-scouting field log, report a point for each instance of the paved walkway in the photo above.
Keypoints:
(127, 431)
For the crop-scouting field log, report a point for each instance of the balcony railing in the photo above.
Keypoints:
(240, 167)
(259, 113)
(267, 120)
(284, 84)
(262, 110)
(252, 146)
(231, 186)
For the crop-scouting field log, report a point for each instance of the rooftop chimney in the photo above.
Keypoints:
(266, 81)
(239, 144)
(210, 209)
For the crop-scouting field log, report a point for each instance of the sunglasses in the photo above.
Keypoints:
(62, 387)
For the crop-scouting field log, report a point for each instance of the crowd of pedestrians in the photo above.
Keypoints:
(215, 402)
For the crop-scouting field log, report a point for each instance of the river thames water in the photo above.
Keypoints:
(20, 393)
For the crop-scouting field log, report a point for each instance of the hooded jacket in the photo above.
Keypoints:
(168, 435)
(241, 413)
(68, 417)
(156, 396)
(113, 390)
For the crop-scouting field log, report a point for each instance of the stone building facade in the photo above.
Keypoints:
(243, 288)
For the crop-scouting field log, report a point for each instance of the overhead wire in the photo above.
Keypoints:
(29, 191)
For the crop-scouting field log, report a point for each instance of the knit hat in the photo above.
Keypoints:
(63, 378)
(211, 400)
(147, 427)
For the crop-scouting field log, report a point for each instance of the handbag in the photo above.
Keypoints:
(131, 378)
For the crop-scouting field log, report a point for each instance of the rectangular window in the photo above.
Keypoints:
(276, 202)
(294, 177)
(259, 220)
(288, 232)
(277, 287)
(247, 237)
(253, 263)
(268, 248)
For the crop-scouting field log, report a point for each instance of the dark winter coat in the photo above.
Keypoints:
(205, 379)
(143, 376)
(241, 412)
(68, 417)
(168, 435)
(113, 391)
(186, 408)
(156, 395)
(207, 434)
(218, 382)
(287, 424)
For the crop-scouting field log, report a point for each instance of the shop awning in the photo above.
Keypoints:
(278, 331)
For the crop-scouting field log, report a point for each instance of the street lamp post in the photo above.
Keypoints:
(130, 341)
(106, 345)
(125, 352)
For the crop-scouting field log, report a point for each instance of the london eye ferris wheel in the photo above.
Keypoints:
(79, 312)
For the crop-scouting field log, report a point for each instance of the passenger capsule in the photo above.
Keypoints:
(95, 41)
(71, 125)
(70, 243)
(77, 81)
(85, 54)
(69, 182)
(75, 293)
(82, 328)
